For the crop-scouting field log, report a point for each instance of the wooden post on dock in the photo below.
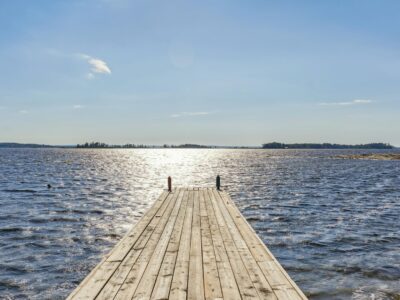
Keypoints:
(218, 182)
(169, 184)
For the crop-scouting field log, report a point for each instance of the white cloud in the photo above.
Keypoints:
(97, 65)
(187, 114)
(347, 103)
(77, 106)
(23, 111)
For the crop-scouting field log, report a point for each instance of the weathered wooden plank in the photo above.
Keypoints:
(195, 280)
(98, 277)
(163, 283)
(275, 276)
(212, 281)
(243, 280)
(129, 286)
(262, 286)
(111, 288)
(127, 243)
(273, 271)
(146, 284)
(97, 281)
(119, 276)
(180, 277)
(286, 294)
(255, 246)
(229, 286)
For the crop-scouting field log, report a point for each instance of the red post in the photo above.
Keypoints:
(169, 184)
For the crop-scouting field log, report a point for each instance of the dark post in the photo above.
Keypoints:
(218, 182)
(169, 184)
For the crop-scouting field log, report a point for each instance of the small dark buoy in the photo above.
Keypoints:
(49, 186)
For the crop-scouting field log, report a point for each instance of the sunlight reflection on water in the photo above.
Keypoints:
(332, 223)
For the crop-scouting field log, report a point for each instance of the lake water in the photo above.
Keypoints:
(334, 224)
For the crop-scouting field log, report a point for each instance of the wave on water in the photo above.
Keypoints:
(332, 223)
(19, 191)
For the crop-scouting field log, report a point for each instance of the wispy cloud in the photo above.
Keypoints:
(77, 106)
(347, 103)
(23, 112)
(188, 114)
(97, 65)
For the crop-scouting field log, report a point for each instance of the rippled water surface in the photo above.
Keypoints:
(332, 223)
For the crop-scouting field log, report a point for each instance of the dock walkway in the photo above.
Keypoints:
(193, 243)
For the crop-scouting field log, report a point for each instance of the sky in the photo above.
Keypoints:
(223, 72)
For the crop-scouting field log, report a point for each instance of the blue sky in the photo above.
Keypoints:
(209, 72)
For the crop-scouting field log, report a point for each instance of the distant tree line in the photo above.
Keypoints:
(104, 145)
(19, 145)
(99, 145)
(187, 146)
(276, 145)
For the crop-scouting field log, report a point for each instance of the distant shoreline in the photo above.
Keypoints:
(274, 145)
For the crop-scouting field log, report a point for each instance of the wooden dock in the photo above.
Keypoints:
(193, 243)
